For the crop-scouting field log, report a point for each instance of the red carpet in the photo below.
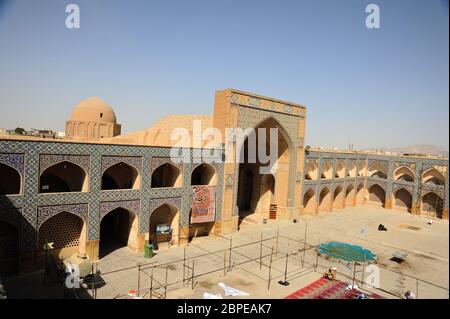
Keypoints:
(327, 289)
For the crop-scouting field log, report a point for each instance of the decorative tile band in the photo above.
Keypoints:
(411, 165)
(46, 161)
(384, 164)
(130, 205)
(370, 183)
(195, 164)
(134, 161)
(158, 161)
(409, 188)
(156, 202)
(45, 212)
(15, 161)
(427, 191)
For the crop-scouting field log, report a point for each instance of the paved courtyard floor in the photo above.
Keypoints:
(426, 247)
(425, 271)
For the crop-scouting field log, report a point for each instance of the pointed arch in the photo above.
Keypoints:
(360, 194)
(350, 194)
(340, 169)
(309, 201)
(351, 168)
(362, 169)
(249, 147)
(325, 200)
(284, 153)
(120, 176)
(166, 175)
(204, 174)
(327, 170)
(10, 180)
(274, 122)
(432, 203)
(311, 171)
(403, 199)
(63, 177)
(377, 170)
(433, 176)
(66, 231)
(377, 195)
(338, 197)
(404, 173)
(118, 228)
(165, 214)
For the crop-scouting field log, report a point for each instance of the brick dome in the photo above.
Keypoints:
(93, 109)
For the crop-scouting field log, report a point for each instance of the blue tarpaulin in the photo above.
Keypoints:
(346, 251)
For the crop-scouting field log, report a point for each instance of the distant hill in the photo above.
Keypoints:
(419, 149)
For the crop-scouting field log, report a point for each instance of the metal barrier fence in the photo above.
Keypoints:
(388, 282)
(153, 280)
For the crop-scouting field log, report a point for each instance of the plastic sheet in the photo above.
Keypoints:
(207, 295)
(346, 251)
(229, 291)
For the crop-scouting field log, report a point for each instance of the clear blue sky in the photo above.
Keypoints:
(383, 87)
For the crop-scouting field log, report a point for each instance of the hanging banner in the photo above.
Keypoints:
(203, 204)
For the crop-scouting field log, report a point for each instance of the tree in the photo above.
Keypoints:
(19, 130)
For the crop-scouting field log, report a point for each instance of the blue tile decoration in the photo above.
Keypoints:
(157, 202)
(15, 161)
(255, 102)
(48, 160)
(46, 212)
(133, 206)
(157, 161)
(288, 109)
(398, 186)
(230, 180)
(30, 158)
(134, 161)
(10, 201)
(374, 161)
(390, 163)
(251, 117)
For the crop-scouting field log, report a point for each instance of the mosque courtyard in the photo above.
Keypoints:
(424, 270)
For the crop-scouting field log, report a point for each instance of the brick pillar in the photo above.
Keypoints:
(415, 209)
(140, 243)
(184, 235)
(330, 202)
(92, 249)
(217, 228)
(445, 214)
(230, 225)
(388, 203)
